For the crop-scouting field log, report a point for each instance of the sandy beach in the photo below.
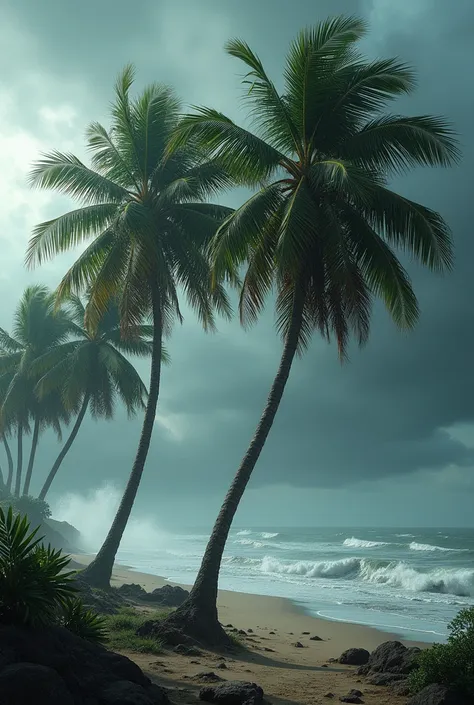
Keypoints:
(288, 674)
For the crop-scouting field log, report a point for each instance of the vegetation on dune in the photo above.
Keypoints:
(122, 628)
(451, 664)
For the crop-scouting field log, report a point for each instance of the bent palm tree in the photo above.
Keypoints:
(321, 228)
(92, 371)
(146, 213)
(37, 328)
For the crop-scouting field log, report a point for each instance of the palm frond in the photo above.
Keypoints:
(394, 143)
(268, 108)
(248, 159)
(69, 230)
(66, 174)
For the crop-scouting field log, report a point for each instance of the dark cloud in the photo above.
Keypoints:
(391, 411)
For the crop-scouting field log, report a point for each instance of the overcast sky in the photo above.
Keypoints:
(387, 439)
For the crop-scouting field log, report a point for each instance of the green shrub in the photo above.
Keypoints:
(82, 621)
(450, 664)
(33, 581)
(36, 590)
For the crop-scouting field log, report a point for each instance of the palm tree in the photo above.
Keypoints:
(321, 227)
(146, 214)
(91, 372)
(8, 452)
(37, 328)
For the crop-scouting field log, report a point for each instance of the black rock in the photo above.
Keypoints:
(27, 683)
(53, 666)
(392, 657)
(401, 688)
(271, 632)
(233, 693)
(207, 677)
(350, 699)
(169, 636)
(242, 632)
(229, 626)
(127, 693)
(315, 638)
(298, 645)
(222, 666)
(132, 590)
(385, 678)
(438, 695)
(168, 596)
(250, 631)
(305, 633)
(354, 657)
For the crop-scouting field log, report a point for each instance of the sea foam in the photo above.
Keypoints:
(396, 574)
(360, 543)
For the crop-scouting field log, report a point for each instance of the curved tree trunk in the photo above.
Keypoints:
(66, 447)
(197, 616)
(31, 461)
(10, 464)
(99, 572)
(19, 460)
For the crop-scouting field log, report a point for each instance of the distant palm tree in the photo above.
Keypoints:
(9, 480)
(321, 227)
(148, 221)
(37, 328)
(91, 372)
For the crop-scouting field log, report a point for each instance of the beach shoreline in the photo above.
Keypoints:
(239, 607)
(278, 652)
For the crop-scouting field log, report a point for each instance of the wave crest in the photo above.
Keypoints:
(360, 543)
(414, 546)
(449, 581)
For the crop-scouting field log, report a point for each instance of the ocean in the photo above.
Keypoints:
(411, 582)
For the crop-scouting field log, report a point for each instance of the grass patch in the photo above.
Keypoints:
(122, 627)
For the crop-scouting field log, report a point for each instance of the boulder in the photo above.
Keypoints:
(233, 693)
(207, 677)
(127, 693)
(298, 645)
(353, 697)
(55, 667)
(438, 695)
(168, 596)
(315, 638)
(132, 590)
(169, 635)
(26, 683)
(391, 657)
(354, 657)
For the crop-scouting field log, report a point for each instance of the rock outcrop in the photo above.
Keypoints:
(54, 667)
(354, 657)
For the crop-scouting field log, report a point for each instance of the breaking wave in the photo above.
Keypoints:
(360, 543)
(244, 532)
(459, 582)
(268, 535)
(428, 547)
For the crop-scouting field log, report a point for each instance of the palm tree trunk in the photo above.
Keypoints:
(10, 464)
(19, 460)
(198, 615)
(31, 461)
(66, 447)
(99, 572)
